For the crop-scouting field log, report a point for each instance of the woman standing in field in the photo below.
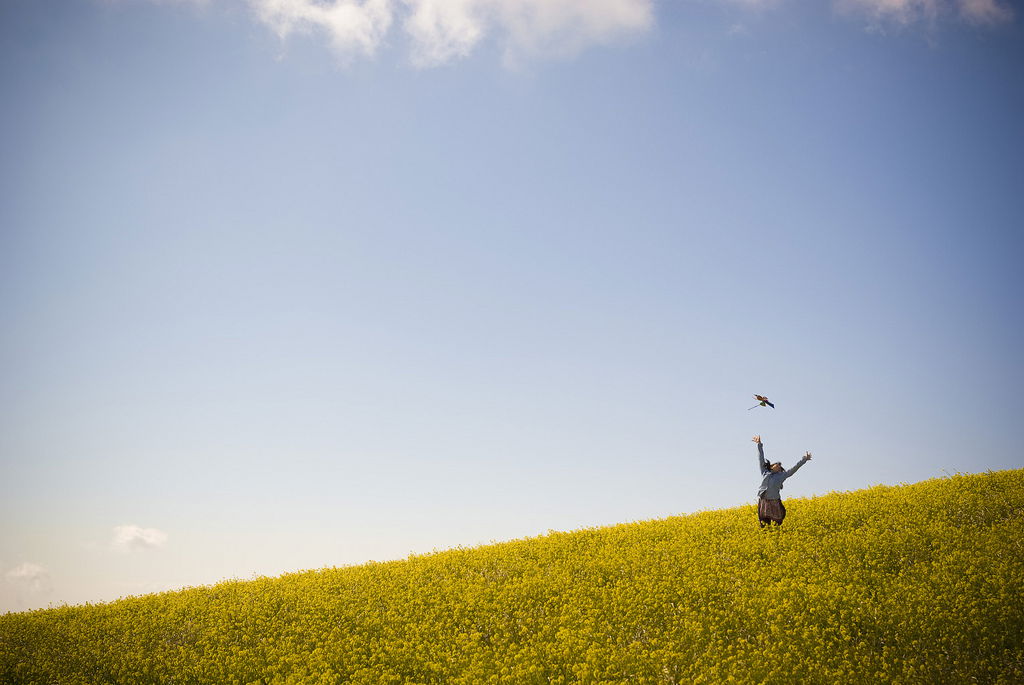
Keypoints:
(769, 498)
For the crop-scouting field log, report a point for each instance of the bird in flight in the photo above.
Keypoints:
(762, 401)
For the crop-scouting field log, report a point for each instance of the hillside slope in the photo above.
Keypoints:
(920, 583)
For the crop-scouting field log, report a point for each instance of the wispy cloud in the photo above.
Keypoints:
(29, 578)
(354, 28)
(439, 32)
(24, 586)
(908, 12)
(985, 11)
(132, 538)
(444, 30)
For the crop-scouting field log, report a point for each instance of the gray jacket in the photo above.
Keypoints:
(771, 483)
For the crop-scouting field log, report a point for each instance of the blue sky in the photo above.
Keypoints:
(289, 284)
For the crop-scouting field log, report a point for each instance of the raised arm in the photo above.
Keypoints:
(806, 458)
(762, 463)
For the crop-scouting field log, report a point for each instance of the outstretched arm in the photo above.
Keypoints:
(807, 458)
(762, 463)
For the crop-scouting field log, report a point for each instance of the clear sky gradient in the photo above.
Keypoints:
(286, 284)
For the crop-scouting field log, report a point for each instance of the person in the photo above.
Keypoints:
(770, 509)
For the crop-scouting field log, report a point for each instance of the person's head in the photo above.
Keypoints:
(776, 467)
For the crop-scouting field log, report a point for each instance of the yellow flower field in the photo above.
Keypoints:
(920, 583)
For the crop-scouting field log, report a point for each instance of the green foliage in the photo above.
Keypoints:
(913, 584)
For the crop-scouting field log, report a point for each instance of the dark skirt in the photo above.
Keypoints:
(770, 511)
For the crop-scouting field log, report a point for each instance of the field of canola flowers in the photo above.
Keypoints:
(919, 583)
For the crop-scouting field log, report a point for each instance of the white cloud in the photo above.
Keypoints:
(131, 538)
(443, 30)
(353, 27)
(564, 27)
(31, 577)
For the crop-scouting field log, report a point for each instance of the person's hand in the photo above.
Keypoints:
(807, 456)
(757, 439)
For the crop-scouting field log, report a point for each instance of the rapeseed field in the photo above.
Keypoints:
(919, 583)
